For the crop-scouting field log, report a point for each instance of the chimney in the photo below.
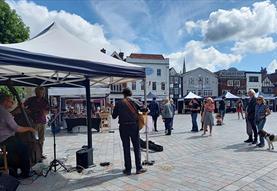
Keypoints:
(103, 50)
(121, 55)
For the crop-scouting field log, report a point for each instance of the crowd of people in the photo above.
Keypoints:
(254, 112)
(127, 111)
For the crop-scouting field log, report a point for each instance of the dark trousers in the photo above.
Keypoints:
(194, 121)
(18, 155)
(155, 118)
(128, 132)
(167, 124)
(251, 124)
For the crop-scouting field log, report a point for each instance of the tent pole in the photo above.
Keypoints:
(146, 126)
(146, 162)
(88, 103)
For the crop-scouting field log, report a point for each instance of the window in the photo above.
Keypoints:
(142, 85)
(199, 92)
(134, 84)
(206, 80)
(162, 86)
(200, 81)
(229, 82)
(191, 80)
(176, 80)
(159, 72)
(236, 83)
(154, 85)
(253, 79)
(176, 91)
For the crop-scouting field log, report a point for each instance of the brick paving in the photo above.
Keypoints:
(189, 161)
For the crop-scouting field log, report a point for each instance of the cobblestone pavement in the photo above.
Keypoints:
(189, 161)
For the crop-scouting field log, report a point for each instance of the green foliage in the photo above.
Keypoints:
(5, 90)
(12, 28)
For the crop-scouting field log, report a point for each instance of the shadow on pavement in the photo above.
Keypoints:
(94, 180)
(244, 147)
(198, 137)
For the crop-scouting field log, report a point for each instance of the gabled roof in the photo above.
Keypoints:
(273, 77)
(199, 68)
(147, 56)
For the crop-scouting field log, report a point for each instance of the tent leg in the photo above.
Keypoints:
(88, 103)
(89, 125)
(146, 162)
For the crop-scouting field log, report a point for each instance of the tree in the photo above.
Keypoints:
(12, 28)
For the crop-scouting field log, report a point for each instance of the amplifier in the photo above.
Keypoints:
(8, 183)
(84, 157)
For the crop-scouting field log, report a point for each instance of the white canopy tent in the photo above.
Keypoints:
(57, 58)
(57, 43)
(190, 95)
(227, 95)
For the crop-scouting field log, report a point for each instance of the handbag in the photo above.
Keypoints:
(141, 118)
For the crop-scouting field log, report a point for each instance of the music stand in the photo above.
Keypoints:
(55, 162)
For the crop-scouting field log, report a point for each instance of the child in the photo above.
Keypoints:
(218, 119)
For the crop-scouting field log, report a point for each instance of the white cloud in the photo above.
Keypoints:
(197, 55)
(239, 24)
(38, 17)
(256, 45)
(120, 17)
(272, 66)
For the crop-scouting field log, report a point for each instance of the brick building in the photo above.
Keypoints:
(231, 80)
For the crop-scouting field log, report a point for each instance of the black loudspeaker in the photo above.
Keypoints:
(84, 157)
(8, 183)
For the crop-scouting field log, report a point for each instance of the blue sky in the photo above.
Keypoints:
(214, 34)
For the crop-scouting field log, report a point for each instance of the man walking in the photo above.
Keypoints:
(154, 112)
(127, 112)
(250, 118)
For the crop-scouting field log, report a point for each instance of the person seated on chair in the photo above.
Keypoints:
(18, 153)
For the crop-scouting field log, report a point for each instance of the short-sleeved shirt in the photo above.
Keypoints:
(195, 108)
(7, 124)
(37, 107)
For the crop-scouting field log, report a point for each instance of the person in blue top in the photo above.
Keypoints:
(154, 111)
(261, 112)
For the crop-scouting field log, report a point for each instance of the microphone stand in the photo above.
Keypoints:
(55, 162)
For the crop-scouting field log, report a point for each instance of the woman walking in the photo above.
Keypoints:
(261, 112)
(208, 115)
(240, 109)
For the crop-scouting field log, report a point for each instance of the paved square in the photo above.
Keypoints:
(189, 161)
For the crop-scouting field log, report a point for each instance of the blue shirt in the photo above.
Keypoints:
(8, 126)
(260, 111)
